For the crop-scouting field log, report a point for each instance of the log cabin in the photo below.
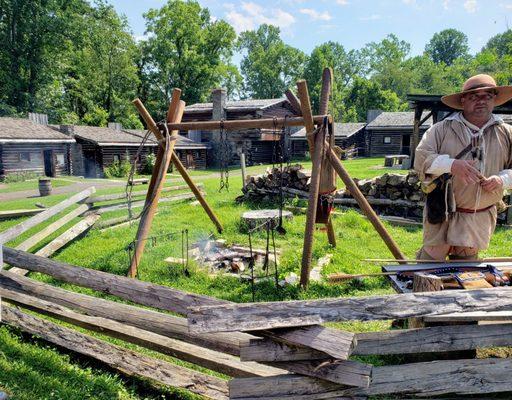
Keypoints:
(96, 148)
(257, 144)
(31, 146)
(346, 135)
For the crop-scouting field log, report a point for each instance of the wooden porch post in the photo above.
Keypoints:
(418, 110)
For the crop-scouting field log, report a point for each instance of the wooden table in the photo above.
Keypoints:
(395, 159)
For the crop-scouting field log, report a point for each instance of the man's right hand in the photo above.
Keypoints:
(466, 171)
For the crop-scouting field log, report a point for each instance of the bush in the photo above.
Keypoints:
(149, 164)
(118, 169)
(20, 176)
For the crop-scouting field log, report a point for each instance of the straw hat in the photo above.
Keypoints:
(474, 84)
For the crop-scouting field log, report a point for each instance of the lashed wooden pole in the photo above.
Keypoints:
(328, 175)
(176, 108)
(366, 208)
(316, 147)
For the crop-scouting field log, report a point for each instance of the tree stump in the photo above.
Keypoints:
(255, 218)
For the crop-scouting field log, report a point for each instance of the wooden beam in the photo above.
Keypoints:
(204, 357)
(63, 239)
(157, 322)
(415, 137)
(141, 203)
(45, 232)
(145, 293)
(121, 359)
(294, 101)
(350, 373)
(262, 123)
(433, 339)
(24, 226)
(261, 316)
(177, 107)
(123, 196)
(336, 343)
(19, 213)
(363, 204)
(425, 379)
(309, 231)
(268, 350)
(308, 120)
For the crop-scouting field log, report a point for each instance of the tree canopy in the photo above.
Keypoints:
(80, 63)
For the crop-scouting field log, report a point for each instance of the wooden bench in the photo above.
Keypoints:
(397, 159)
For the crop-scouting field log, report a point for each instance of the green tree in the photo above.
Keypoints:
(367, 95)
(446, 46)
(501, 43)
(345, 67)
(269, 66)
(186, 49)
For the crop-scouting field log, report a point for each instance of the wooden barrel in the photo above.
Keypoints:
(45, 187)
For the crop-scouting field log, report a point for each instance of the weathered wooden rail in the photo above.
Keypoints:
(296, 361)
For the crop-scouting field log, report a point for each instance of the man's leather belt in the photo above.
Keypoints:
(473, 211)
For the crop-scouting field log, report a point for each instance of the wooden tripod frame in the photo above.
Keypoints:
(323, 157)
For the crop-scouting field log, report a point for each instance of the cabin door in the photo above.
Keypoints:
(49, 164)
(406, 144)
(191, 164)
(90, 164)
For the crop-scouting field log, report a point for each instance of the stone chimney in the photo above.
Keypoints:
(115, 126)
(219, 100)
(68, 130)
(372, 114)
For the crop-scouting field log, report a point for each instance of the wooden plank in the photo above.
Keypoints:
(261, 316)
(19, 213)
(202, 356)
(154, 321)
(350, 373)
(117, 196)
(461, 377)
(286, 387)
(145, 293)
(113, 221)
(336, 343)
(45, 232)
(123, 360)
(471, 316)
(268, 350)
(63, 239)
(136, 204)
(433, 339)
(24, 226)
(294, 101)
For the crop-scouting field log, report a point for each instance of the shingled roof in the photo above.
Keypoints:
(238, 105)
(19, 130)
(398, 120)
(182, 143)
(110, 137)
(341, 130)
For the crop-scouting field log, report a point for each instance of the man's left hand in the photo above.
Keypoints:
(492, 183)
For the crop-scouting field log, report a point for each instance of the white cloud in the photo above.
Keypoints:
(253, 15)
(315, 15)
(409, 1)
(373, 17)
(446, 4)
(507, 6)
(342, 2)
(470, 6)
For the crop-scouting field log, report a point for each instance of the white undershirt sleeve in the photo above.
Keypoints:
(442, 164)
(506, 177)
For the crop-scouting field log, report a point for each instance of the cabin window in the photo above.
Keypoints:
(117, 158)
(387, 139)
(25, 156)
(60, 160)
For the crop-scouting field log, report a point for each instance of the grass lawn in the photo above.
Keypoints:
(32, 184)
(105, 251)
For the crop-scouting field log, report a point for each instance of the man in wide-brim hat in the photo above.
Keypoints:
(468, 158)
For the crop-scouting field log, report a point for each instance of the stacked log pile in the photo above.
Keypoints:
(390, 194)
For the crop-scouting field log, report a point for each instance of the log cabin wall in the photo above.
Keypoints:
(389, 142)
(29, 157)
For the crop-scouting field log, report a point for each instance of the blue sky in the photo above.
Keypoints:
(353, 23)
